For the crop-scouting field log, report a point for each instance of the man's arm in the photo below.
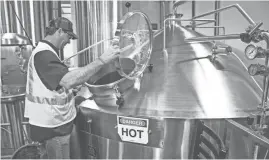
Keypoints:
(49, 69)
(81, 75)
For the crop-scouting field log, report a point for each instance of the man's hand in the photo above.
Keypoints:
(110, 54)
(76, 89)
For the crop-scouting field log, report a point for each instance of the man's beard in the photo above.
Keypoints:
(62, 45)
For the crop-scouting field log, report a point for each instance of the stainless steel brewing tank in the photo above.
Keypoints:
(183, 87)
(185, 83)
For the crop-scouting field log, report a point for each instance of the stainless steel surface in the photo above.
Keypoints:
(13, 39)
(168, 138)
(186, 84)
(238, 7)
(14, 63)
(183, 87)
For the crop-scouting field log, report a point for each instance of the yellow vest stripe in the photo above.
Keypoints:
(44, 100)
(49, 101)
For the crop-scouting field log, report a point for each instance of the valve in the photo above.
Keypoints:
(252, 34)
(258, 69)
(150, 67)
(120, 101)
(250, 120)
(245, 37)
(178, 15)
(119, 96)
(255, 28)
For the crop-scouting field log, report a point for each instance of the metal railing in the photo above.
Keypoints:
(14, 127)
(179, 20)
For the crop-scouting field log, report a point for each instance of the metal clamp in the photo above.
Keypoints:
(220, 50)
(119, 96)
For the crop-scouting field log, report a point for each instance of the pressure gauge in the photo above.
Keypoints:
(251, 52)
(253, 69)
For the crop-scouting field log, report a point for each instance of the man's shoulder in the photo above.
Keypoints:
(45, 55)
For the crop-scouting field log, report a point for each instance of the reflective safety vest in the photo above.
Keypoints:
(43, 107)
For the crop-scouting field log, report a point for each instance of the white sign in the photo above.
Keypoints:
(133, 129)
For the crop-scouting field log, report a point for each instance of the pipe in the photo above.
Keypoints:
(217, 18)
(85, 49)
(266, 78)
(179, 20)
(193, 6)
(205, 23)
(176, 4)
(213, 38)
(223, 28)
(252, 134)
(265, 36)
(246, 16)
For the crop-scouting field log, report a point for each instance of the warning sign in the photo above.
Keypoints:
(133, 129)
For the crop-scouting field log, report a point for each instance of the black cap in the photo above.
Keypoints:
(65, 24)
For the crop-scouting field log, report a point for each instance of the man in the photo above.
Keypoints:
(49, 102)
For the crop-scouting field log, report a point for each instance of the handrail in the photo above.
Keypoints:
(237, 6)
(222, 27)
(179, 20)
(231, 36)
(204, 23)
(251, 134)
(213, 38)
